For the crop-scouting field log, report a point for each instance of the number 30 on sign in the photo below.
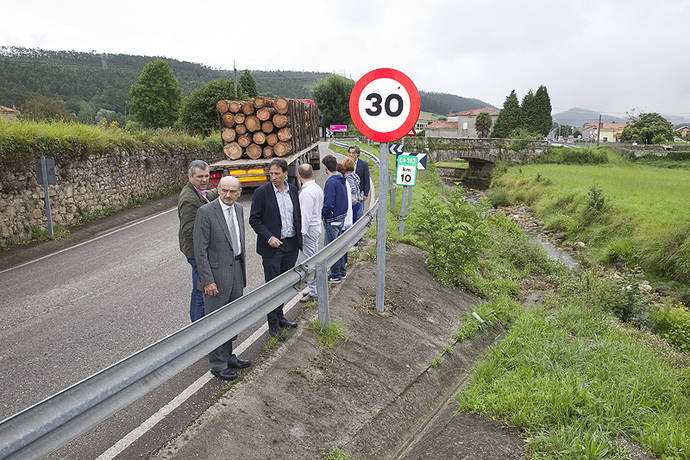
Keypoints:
(384, 105)
(406, 171)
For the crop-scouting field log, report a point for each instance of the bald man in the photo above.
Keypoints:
(219, 253)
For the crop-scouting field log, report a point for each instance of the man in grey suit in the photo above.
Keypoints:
(220, 259)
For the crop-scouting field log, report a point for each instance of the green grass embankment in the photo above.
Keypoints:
(573, 378)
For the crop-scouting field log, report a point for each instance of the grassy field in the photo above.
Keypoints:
(628, 212)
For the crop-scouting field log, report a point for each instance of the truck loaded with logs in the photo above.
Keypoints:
(254, 132)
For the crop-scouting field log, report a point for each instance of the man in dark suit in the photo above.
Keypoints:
(220, 258)
(192, 197)
(362, 170)
(277, 220)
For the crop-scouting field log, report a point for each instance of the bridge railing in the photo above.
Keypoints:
(53, 422)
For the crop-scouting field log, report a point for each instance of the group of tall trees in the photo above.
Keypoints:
(532, 118)
(156, 99)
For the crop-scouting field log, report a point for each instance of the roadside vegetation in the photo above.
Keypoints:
(630, 213)
(21, 142)
(580, 374)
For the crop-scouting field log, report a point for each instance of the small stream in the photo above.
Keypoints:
(553, 252)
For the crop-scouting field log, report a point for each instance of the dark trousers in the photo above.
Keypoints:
(281, 261)
(218, 358)
(196, 302)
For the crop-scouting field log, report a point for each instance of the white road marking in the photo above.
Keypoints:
(188, 392)
(88, 241)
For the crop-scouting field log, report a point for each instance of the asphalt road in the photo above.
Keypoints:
(72, 314)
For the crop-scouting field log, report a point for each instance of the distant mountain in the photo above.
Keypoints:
(578, 116)
(88, 82)
(443, 103)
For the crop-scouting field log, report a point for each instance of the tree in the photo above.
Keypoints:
(247, 84)
(483, 124)
(647, 128)
(509, 118)
(528, 113)
(155, 98)
(542, 103)
(199, 109)
(332, 96)
(42, 108)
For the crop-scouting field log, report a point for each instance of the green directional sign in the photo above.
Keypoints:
(406, 171)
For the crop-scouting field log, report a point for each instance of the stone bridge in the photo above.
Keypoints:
(481, 154)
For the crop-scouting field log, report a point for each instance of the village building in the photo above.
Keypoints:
(7, 113)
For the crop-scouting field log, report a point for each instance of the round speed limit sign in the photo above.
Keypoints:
(384, 105)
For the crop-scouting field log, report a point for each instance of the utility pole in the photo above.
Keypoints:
(235, 68)
(598, 130)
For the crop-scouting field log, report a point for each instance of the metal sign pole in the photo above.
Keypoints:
(391, 184)
(46, 192)
(403, 206)
(381, 227)
(409, 200)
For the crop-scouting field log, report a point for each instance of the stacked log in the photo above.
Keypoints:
(266, 127)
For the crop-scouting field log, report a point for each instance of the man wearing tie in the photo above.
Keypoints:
(277, 220)
(220, 258)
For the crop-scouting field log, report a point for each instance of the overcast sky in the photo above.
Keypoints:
(608, 56)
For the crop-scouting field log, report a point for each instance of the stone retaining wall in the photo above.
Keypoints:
(85, 187)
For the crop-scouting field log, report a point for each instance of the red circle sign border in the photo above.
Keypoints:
(409, 122)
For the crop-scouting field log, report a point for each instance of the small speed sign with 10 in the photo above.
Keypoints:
(406, 171)
(384, 105)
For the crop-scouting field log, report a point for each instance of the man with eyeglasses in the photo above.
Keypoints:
(220, 258)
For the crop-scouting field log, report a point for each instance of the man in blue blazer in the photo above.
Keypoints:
(362, 170)
(277, 220)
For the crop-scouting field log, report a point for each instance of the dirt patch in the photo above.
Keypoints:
(374, 394)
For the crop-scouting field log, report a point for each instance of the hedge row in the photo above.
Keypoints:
(21, 142)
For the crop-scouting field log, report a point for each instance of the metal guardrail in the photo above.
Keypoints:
(53, 422)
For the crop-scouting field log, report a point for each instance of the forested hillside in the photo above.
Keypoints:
(89, 82)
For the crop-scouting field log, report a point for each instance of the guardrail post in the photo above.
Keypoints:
(322, 292)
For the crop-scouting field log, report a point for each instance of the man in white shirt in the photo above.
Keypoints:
(310, 202)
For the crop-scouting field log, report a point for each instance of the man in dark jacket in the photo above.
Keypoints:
(192, 197)
(276, 218)
(335, 202)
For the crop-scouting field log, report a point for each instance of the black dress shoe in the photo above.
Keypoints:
(225, 374)
(285, 323)
(278, 334)
(238, 363)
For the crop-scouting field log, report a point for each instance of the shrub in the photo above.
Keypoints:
(673, 324)
(498, 197)
(679, 155)
(567, 155)
(621, 251)
(560, 223)
(451, 232)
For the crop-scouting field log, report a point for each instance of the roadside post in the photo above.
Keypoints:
(405, 175)
(45, 175)
(384, 106)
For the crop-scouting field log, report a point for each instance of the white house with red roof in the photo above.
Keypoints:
(461, 124)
